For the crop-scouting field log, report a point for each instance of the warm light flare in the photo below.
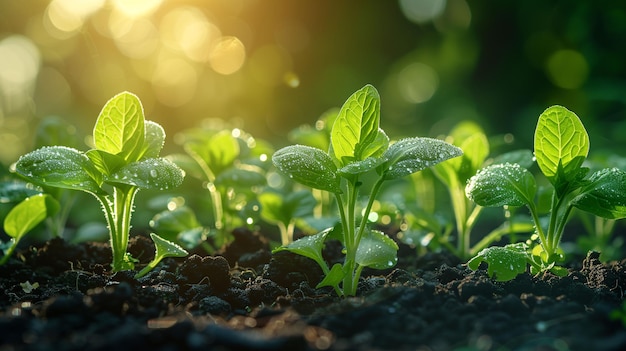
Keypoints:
(228, 55)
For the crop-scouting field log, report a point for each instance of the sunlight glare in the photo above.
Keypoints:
(417, 82)
(228, 55)
(136, 8)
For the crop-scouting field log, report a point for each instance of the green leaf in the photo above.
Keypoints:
(376, 250)
(238, 177)
(359, 167)
(120, 127)
(333, 278)
(28, 214)
(356, 126)
(505, 263)
(415, 154)
(166, 248)
(310, 246)
(285, 208)
(170, 223)
(523, 158)
(58, 166)
(502, 184)
(154, 140)
(309, 166)
(53, 131)
(217, 152)
(105, 162)
(604, 194)
(153, 173)
(561, 144)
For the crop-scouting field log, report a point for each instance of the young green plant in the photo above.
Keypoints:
(125, 159)
(230, 163)
(455, 173)
(24, 217)
(358, 146)
(561, 145)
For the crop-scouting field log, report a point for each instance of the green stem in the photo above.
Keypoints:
(9, 251)
(538, 228)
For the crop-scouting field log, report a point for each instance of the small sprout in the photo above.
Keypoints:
(24, 217)
(27, 287)
(163, 248)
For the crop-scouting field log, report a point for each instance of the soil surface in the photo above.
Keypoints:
(59, 296)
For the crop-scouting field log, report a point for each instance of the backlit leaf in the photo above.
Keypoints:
(356, 126)
(561, 144)
(154, 139)
(120, 127)
(28, 214)
(310, 246)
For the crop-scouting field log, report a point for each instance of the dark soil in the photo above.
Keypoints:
(247, 299)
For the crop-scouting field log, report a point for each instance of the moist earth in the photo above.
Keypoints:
(62, 296)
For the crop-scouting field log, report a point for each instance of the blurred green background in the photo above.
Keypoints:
(270, 65)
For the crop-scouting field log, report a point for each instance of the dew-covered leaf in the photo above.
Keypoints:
(153, 173)
(376, 250)
(58, 166)
(28, 214)
(154, 140)
(504, 263)
(604, 194)
(120, 127)
(561, 143)
(502, 184)
(310, 246)
(356, 126)
(309, 166)
(411, 155)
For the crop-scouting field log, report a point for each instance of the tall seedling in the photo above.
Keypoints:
(357, 146)
(125, 159)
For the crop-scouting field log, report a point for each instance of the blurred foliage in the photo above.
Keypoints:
(271, 65)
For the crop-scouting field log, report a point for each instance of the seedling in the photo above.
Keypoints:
(357, 146)
(24, 217)
(230, 163)
(454, 174)
(285, 209)
(561, 147)
(125, 159)
(163, 249)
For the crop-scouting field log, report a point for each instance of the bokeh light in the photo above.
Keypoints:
(228, 55)
(567, 69)
(273, 66)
